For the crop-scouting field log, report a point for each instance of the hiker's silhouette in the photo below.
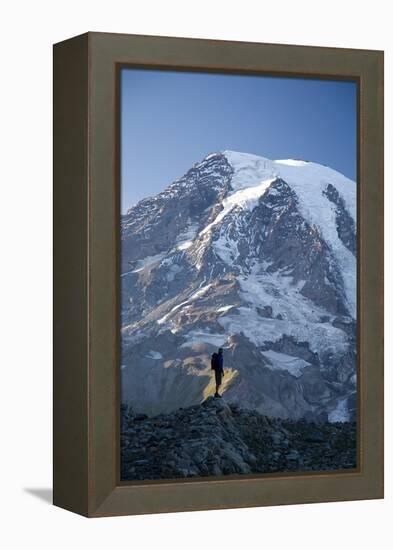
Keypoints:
(217, 364)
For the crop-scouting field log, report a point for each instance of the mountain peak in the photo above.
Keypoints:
(254, 255)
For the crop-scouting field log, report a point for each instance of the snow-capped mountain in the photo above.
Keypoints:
(256, 256)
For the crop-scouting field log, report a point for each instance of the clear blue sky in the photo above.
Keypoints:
(170, 120)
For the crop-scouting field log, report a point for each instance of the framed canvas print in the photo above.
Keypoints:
(218, 274)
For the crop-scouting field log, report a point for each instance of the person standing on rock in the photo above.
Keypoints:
(217, 364)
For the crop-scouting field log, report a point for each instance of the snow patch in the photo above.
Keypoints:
(197, 294)
(184, 245)
(148, 262)
(211, 155)
(340, 413)
(292, 162)
(282, 361)
(200, 336)
(186, 238)
(154, 355)
(173, 270)
(247, 199)
(249, 170)
(223, 309)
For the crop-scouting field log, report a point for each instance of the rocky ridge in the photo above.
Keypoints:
(218, 438)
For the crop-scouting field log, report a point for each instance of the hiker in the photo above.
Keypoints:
(217, 364)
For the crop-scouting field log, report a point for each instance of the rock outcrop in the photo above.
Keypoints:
(218, 438)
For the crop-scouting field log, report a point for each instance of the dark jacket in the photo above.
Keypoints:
(220, 362)
(217, 362)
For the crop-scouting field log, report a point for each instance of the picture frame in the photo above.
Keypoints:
(86, 408)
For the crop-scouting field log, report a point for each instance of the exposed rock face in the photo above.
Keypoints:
(258, 257)
(217, 438)
(345, 224)
(151, 227)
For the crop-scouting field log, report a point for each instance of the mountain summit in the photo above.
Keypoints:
(256, 256)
